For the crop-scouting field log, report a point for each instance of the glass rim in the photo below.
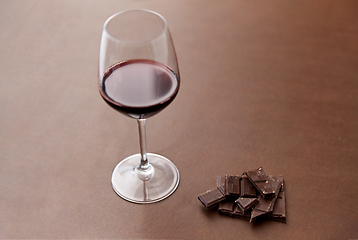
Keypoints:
(133, 10)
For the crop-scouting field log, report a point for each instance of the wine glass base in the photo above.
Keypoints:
(163, 183)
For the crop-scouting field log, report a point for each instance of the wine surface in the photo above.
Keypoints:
(139, 88)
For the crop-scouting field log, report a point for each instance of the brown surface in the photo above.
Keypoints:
(264, 83)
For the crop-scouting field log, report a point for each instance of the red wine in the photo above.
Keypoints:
(139, 88)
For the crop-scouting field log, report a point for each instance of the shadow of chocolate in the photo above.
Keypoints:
(210, 211)
(260, 223)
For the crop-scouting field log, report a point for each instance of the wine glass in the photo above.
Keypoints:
(139, 77)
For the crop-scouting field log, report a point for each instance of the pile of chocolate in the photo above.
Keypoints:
(252, 196)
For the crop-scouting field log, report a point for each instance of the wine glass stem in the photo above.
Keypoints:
(144, 165)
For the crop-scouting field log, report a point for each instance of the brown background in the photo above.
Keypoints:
(264, 83)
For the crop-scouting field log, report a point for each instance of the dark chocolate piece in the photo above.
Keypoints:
(245, 204)
(246, 188)
(277, 178)
(279, 210)
(257, 175)
(222, 184)
(233, 185)
(211, 197)
(265, 207)
(241, 214)
(276, 183)
(260, 180)
(226, 207)
(265, 189)
(229, 185)
(257, 215)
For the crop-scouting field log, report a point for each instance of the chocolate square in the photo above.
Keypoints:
(241, 214)
(279, 211)
(261, 182)
(246, 188)
(226, 207)
(257, 215)
(233, 185)
(265, 188)
(257, 175)
(266, 206)
(229, 185)
(245, 204)
(211, 197)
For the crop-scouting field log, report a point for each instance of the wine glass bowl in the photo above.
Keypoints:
(139, 88)
(139, 77)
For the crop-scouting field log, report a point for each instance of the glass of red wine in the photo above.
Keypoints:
(139, 77)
